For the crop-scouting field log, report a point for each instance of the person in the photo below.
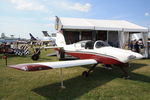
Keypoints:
(136, 46)
(140, 42)
(131, 45)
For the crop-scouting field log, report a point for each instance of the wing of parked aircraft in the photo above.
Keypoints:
(51, 65)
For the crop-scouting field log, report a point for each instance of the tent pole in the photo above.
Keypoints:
(107, 36)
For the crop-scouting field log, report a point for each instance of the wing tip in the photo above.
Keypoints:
(28, 67)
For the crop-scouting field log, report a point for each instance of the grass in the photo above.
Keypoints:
(102, 84)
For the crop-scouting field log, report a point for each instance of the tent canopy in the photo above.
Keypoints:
(94, 24)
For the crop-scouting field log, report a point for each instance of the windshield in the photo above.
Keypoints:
(100, 44)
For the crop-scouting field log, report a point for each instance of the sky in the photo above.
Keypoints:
(21, 17)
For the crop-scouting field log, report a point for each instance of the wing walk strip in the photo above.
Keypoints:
(50, 65)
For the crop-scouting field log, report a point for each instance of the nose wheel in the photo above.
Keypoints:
(125, 68)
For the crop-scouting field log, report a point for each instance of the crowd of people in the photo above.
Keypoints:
(136, 45)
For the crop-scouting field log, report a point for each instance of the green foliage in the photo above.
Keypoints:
(102, 84)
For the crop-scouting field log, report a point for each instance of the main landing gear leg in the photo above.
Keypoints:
(86, 73)
(125, 69)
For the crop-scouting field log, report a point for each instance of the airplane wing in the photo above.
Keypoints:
(51, 65)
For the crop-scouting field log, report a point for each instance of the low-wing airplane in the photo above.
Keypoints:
(88, 52)
(44, 40)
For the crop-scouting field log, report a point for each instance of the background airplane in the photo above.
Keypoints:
(52, 36)
(32, 38)
(45, 33)
(7, 39)
(136, 36)
(46, 40)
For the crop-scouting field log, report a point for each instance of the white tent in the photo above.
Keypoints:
(93, 24)
(122, 27)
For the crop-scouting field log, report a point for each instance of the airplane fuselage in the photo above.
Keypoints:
(102, 54)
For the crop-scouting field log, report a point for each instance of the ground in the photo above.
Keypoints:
(102, 84)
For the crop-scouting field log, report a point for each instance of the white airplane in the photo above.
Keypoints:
(88, 52)
(45, 39)
(51, 37)
(136, 36)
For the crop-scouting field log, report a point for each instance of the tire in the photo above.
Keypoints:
(35, 57)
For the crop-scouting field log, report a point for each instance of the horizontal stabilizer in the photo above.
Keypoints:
(50, 65)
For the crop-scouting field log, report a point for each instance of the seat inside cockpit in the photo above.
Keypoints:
(89, 45)
(99, 44)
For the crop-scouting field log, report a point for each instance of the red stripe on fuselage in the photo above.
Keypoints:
(98, 58)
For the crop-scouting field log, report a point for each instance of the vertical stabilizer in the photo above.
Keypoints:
(46, 34)
(60, 40)
(32, 37)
